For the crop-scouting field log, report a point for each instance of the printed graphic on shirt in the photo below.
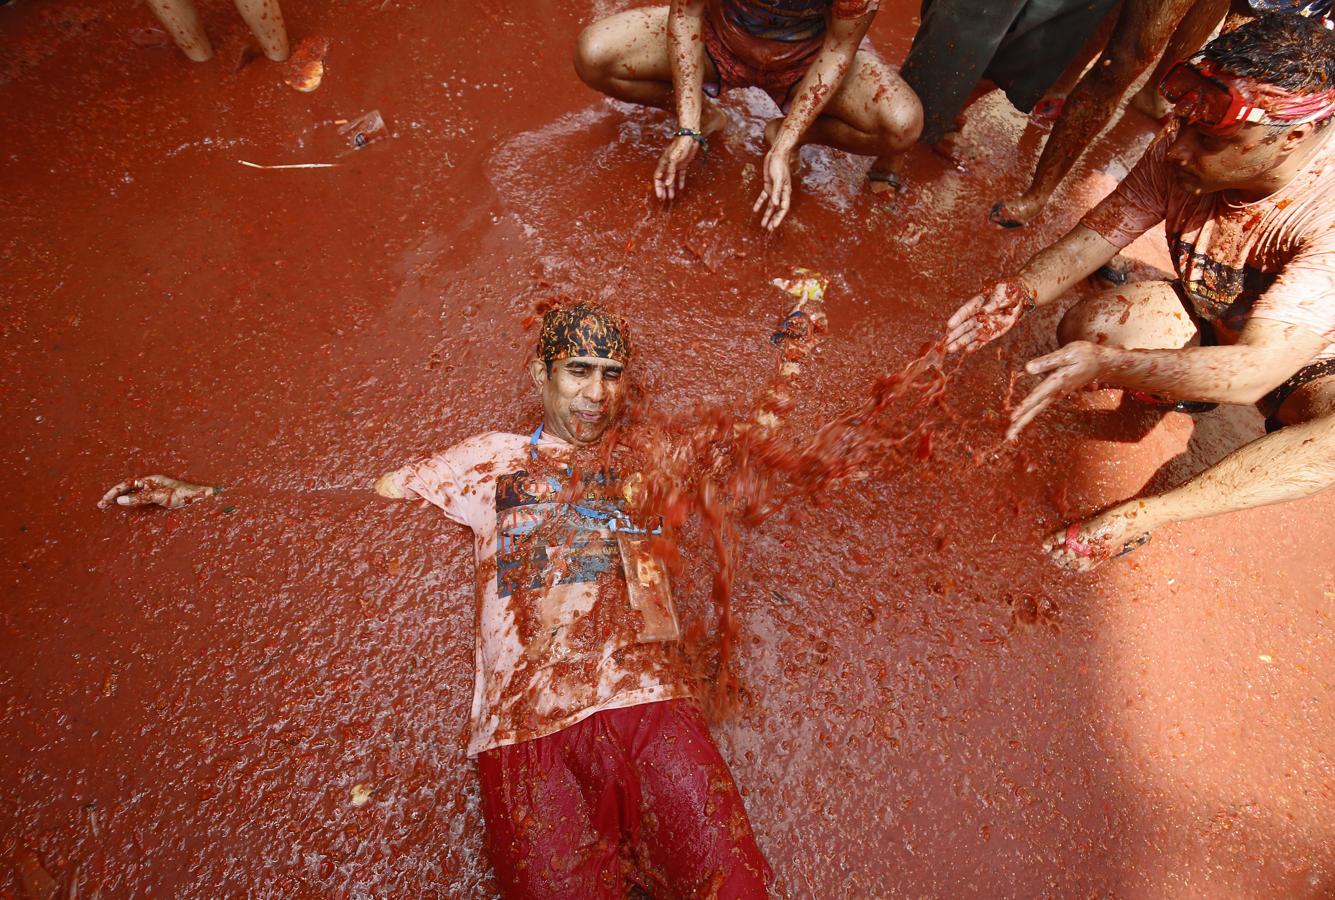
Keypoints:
(1219, 293)
(540, 537)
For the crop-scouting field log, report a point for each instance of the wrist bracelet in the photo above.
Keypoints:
(1030, 298)
(695, 136)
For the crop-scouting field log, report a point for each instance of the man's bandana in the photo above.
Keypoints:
(580, 330)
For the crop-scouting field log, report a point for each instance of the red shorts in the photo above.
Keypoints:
(745, 61)
(639, 794)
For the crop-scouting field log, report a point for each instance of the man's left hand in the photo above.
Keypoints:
(1068, 369)
(778, 191)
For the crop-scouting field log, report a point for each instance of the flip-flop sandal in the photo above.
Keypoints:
(1114, 274)
(1157, 402)
(889, 178)
(1134, 544)
(994, 216)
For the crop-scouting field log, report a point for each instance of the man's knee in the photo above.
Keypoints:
(900, 119)
(1077, 324)
(593, 55)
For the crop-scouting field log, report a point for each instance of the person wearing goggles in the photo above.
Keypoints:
(1203, 19)
(1212, 102)
(1243, 181)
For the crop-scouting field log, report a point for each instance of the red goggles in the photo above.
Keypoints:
(1206, 102)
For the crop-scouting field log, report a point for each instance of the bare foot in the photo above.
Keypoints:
(882, 177)
(712, 120)
(1150, 102)
(1084, 546)
(1016, 213)
(954, 148)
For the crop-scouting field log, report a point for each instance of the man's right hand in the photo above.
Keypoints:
(670, 176)
(156, 490)
(989, 315)
(387, 485)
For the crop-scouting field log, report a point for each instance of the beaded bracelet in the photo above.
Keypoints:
(695, 136)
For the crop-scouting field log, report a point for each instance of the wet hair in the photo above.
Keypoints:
(1286, 50)
(1283, 49)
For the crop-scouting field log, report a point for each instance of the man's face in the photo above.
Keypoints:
(1206, 162)
(581, 397)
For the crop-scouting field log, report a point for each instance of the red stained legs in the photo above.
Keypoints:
(1142, 29)
(179, 19)
(266, 22)
(265, 18)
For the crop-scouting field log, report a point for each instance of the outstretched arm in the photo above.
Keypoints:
(1267, 352)
(1135, 206)
(796, 336)
(172, 493)
(813, 92)
(701, 453)
(1295, 462)
(1048, 275)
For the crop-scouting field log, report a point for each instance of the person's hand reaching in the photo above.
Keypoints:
(156, 490)
(777, 194)
(670, 176)
(1065, 371)
(988, 316)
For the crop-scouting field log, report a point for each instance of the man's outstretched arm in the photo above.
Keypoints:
(1267, 352)
(1135, 206)
(1046, 277)
(796, 337)
(172, 493)
(1295, 462)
